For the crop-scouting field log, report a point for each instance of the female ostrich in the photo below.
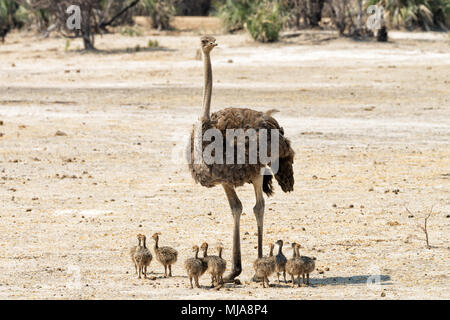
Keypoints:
(235, 174)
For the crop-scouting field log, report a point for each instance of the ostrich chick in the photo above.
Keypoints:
(216, 265)
(194, 267)
(308, 264)
(265, 266)
(133, 251)
(165, 255)
(294, 266)
(280, 261)
(142, 256)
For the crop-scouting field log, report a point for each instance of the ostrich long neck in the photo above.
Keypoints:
(207, 88)
(196, 253)
(271, 252)
(156, 243)
(280, 249)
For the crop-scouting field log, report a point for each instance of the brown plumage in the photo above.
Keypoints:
(165, 255)
(142, 256)
(265, 266)
(194, 267)
(308, 264)
(238, 174)
(294, 266)
(280, 261)
(216, 265)
(232, 175)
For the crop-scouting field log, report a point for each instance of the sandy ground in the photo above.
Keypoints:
(370, 124)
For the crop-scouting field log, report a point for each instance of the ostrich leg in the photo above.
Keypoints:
(258, 210)
(236, 210)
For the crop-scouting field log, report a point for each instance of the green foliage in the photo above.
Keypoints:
(427, 14)
(234, 13)
(161, 12)
(265, 23)
(152, 43)
(263, 19)
(12, 14)
(130, 31)
(67, 47)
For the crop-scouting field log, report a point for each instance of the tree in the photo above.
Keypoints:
(95, 15)
(314, 11)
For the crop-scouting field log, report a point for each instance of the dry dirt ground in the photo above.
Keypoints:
(369, 122)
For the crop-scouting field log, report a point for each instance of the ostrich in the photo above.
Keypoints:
(235, 175)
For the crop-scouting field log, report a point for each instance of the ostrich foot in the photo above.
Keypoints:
(230, 278)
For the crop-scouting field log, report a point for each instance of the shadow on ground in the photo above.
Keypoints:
(360, 279)
(130, 50)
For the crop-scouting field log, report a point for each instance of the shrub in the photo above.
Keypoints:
(266, 21)
(234, 13)
(161, 12)
(263, 19)
(426, 14)
(152, 43)
(12, 14)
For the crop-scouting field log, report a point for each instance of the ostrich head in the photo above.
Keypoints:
(279, 243)
(204, 246)
(195, 248)
(156, 236)
(207, 44)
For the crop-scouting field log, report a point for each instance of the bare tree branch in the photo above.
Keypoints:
(424, 228)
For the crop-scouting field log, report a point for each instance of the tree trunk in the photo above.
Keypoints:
(382, 35)
(86, 30)
(315, 12)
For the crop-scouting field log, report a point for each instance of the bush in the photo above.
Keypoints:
(265, 23)
(12, 15)
(234, 13)
(153, 44)
(161, 12)
(426, 14)
(263, 19)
